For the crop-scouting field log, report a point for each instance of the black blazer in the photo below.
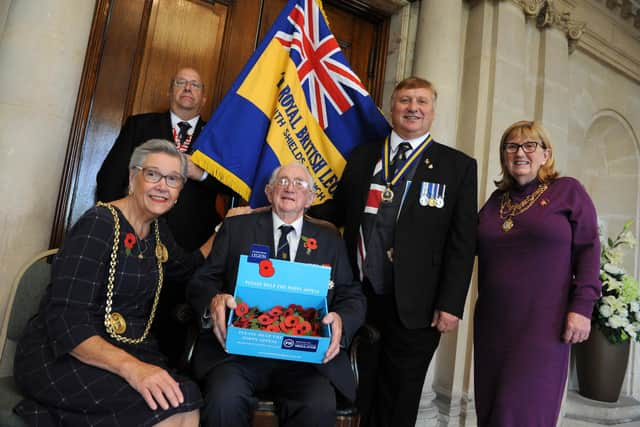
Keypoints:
(193, 219)
(218, 275)
(434, 248)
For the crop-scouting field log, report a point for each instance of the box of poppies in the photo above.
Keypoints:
(280, 305)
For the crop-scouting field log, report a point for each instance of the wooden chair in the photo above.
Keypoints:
(24, 297)
(265, 414)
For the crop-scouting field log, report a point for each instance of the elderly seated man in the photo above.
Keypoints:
(305, 393)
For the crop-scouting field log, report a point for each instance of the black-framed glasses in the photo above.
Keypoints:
(527, 146)
(153, 175)
(193, 83)
(298, 183)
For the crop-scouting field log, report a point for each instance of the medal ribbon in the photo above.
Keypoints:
(386, 155)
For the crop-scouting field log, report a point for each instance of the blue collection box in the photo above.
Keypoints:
(291, 283)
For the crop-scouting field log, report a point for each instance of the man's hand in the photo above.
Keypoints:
(335, 321)
(577, 328)
(218, 310)
(193, 171)
(444, 321)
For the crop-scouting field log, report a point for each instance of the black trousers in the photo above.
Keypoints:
(392, 373)
(303, 396)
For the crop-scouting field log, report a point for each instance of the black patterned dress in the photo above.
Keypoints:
(60, 389)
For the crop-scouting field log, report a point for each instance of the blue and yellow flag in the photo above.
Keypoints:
(296, 99)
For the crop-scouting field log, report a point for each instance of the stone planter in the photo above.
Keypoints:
(601, 367)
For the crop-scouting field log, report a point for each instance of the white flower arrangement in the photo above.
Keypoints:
(617, 311)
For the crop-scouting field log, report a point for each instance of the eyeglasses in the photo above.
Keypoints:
(298, 184)
(527, 147)
(193, 83)
(153, 175)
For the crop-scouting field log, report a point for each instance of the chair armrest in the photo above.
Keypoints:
(366, 335)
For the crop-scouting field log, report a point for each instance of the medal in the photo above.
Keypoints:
(432, 202)
(117, 322)
(387, 194)
(161, 252)
(507, 225)
(440, 198)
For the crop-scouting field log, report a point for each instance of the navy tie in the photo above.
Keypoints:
(401, 156)
(282, 251)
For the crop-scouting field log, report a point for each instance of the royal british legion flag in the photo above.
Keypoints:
(296, 99)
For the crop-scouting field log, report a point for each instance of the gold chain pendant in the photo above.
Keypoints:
(162, 254)
(507, 225)
(118, 323)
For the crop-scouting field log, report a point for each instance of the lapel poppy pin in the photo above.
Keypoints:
(310, 244)
(129, 243)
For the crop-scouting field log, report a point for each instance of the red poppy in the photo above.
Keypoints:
(241, 323)
(303, 328)
(311, 243)
(242, 309)
(266, 268)
(272, 328)
(291, 321)
(309, 313)
(129, 240)
(283, 328)
(265, 319)
(276, 311)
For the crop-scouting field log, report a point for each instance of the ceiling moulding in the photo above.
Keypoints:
(380, 8)
(604, 51)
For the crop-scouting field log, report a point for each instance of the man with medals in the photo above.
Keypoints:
(408, 206)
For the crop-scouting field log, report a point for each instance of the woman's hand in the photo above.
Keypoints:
(577, 328)
(155, 385)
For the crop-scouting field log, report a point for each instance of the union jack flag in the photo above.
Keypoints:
(295, 100)
(322, 68)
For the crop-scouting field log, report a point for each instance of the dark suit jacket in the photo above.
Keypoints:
(193, 219)
(218, 275)
(434, 248)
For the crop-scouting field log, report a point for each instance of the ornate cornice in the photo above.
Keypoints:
(549, 15)
(598, 32)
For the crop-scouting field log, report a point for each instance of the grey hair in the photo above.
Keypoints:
(276, 171)
(153, 146)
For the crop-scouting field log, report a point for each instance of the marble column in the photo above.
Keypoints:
(438, 52)
(42, 49)
(437, 57)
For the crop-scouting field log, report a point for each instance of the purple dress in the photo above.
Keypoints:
(546, 266)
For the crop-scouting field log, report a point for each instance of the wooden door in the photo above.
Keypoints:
(135, 46)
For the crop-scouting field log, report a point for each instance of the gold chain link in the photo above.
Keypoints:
(111, 279)
(509, 210)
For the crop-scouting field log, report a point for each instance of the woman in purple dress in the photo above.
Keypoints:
(87, 357)
(538, 266)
